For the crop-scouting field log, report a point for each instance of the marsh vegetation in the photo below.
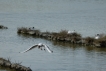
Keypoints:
(63, 36)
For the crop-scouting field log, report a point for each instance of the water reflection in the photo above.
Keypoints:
(75, 46)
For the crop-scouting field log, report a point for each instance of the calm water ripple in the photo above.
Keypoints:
(86, 17)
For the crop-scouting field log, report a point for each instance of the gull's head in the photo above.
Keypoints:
(40, 44)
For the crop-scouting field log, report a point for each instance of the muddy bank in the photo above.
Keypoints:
(64, 36)
(13, 66)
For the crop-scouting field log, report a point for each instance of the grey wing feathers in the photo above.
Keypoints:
(48, 49)
(29, 48)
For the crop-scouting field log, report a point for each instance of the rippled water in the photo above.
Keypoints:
(86, 17)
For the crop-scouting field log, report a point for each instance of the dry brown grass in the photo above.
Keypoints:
(22, 30)
(25, 30)
(89, 40)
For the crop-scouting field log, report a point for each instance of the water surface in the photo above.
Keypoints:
(86, 17)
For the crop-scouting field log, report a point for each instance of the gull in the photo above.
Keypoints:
(97, 36)
(71, 32)
(31, 32)
(40, 45)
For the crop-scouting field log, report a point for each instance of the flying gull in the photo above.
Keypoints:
(40, 46)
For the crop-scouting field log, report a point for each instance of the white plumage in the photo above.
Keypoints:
(97, 36)
(40, 46)
(71, 32)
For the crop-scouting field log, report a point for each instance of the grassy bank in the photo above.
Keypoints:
(7, 64)
(64, 36)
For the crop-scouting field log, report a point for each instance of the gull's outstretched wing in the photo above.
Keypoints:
(48, 49)
(29, 49)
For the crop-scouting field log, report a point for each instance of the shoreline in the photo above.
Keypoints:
(63, 36)
(7, 64)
